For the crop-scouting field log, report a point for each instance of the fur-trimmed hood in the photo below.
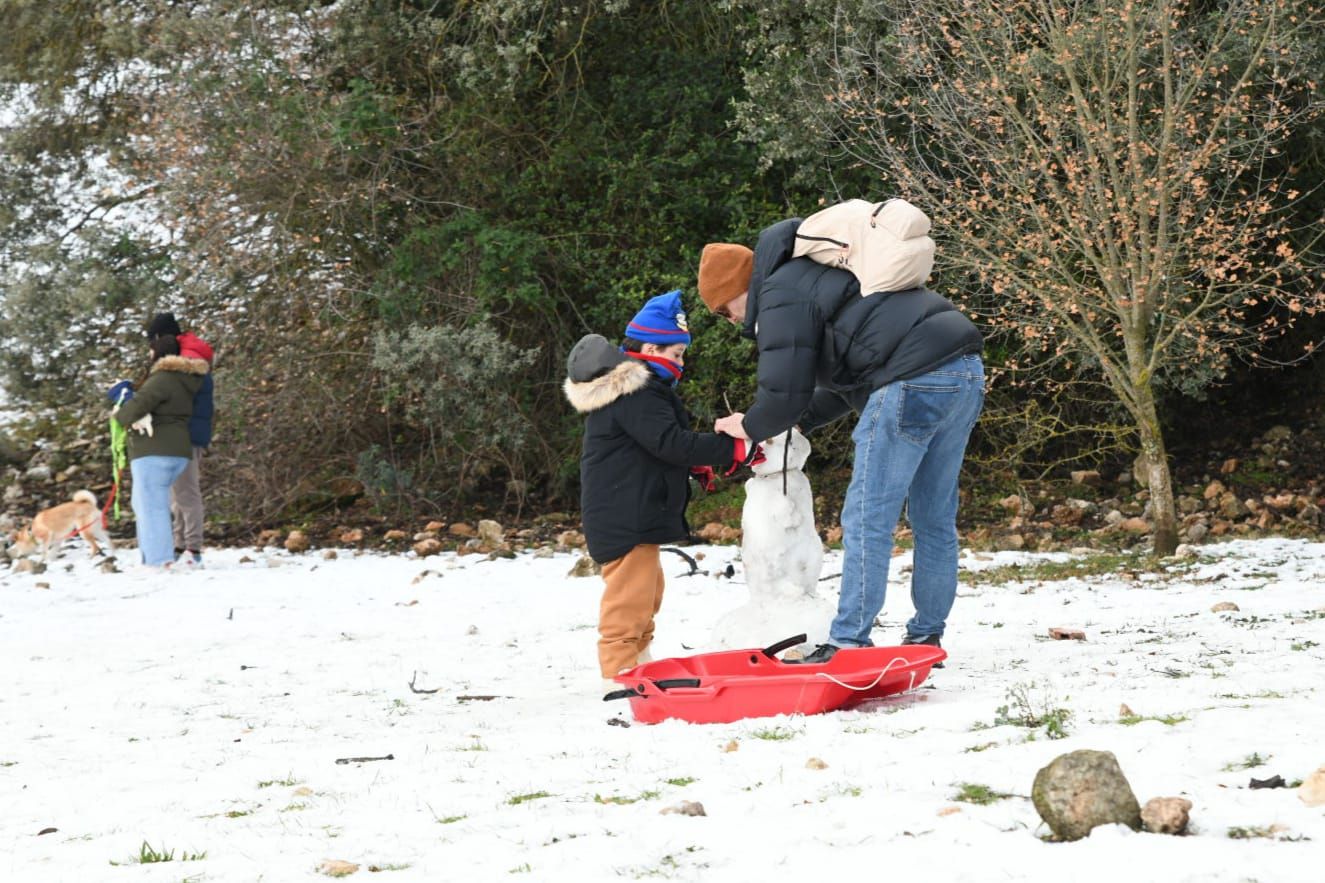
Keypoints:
(182, 364)
(590, 395)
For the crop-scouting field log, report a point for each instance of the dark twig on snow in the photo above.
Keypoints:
(824, 579)
(694, 565)
(479, 698)
(363, 759)
(414, 689)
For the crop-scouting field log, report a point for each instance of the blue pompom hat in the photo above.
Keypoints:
(662, 320)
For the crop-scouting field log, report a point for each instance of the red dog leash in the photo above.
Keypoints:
(114, 489)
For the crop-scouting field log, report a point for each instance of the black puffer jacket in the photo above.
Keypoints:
(638, 450)
(823, 348)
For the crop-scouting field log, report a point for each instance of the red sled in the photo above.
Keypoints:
(718, 688)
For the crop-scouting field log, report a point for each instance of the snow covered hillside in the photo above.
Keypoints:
(207, 716)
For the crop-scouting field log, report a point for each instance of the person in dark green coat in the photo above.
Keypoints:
(159, 445)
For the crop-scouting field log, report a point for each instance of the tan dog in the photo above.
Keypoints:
(53, 526)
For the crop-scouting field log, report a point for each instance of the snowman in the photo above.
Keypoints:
(782, 554)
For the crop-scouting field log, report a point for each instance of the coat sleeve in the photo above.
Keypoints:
(145, 400)
(649, 419)
(788, 340)
(826, 406)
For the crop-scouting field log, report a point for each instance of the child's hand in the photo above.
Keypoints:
(707, 478)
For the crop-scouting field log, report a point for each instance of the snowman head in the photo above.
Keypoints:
(796, 453)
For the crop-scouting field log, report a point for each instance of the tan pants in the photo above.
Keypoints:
(186, 505)
(632, 594)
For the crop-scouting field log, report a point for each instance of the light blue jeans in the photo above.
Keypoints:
(910, 443)
(152, 478)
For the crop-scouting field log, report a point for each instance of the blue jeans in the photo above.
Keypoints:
(910, 442)
(152, 478)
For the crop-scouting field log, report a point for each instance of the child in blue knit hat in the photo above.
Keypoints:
(638, 453)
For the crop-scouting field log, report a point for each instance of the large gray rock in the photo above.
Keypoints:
(1083, 789)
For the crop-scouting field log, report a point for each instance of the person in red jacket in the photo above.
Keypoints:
(186, 505)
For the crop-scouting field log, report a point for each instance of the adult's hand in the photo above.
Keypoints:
(731, 425)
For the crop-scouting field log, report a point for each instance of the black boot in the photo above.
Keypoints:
(818, 656)
(928, 640)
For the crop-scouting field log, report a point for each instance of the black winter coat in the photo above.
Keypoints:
(638, 450)
(823, 349)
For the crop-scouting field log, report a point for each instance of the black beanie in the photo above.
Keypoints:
(162, 323)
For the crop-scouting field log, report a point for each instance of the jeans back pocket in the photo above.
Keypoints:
(924, 408)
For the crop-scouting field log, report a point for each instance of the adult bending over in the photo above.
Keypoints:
(908, 363)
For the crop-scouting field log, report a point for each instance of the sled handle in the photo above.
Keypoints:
(638, 691)
(668, 683)
(772, 650)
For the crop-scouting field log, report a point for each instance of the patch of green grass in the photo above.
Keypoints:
(682, 781)
(1304, 645)
(5, 763)
(238, 813)
(774, 734)
(1246, 474)
(373, 869)
(521, 869)
(723, 506)
(294, 807)
(147, 855)
(981, 795)
(288, 781)
(476, 745)
(1250, 762)
(983, 746)
(1027, 709)
(449, 820)
(1167, 720)
(1051, 571)
(617, 800)
(1272, 832)
(525, 798)
(1264, 694)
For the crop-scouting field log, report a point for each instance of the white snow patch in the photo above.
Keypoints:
(139, 709)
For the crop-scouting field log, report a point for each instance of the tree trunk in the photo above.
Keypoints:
(1162, 511)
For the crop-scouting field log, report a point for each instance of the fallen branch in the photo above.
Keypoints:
(694, 565)
(363, 759)
(414, 689)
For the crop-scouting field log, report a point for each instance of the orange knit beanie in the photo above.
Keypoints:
(724, 272)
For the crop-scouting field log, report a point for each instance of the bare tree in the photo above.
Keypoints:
(1109, 172)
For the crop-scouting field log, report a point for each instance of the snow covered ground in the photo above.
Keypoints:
(205, 714)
